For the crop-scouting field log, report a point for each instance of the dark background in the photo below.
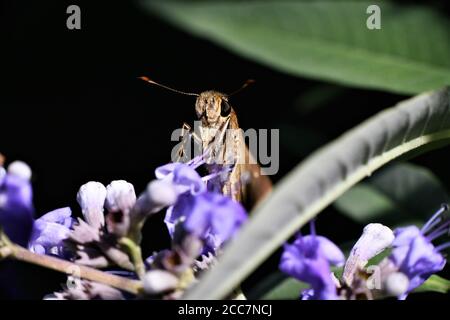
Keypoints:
(72, 107)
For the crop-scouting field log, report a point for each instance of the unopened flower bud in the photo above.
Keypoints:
(161, 193)
(375, 238)
(91, 198)
(396, 284)
(20, 169)
(159, 281)
(120, 196)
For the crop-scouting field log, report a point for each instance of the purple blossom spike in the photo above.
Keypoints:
(50, 230)
(308, 259)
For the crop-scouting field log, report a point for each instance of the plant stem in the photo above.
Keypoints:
(5, 252)
(136, 255)
(22, 254)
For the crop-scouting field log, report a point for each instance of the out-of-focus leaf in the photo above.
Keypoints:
(327, 40)
(321, 179)
(317, 97)
(397, 193)
(364, 203)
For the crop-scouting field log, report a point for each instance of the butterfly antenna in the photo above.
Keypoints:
(245, 85)
(146, 79)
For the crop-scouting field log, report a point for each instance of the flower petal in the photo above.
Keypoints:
(330, 251)
(61, 216)
(404, 235)
(165, 170)
(227, 218)
(186, 176)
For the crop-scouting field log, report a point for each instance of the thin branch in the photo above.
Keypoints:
(22, 254)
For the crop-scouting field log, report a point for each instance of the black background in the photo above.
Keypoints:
(72, 107)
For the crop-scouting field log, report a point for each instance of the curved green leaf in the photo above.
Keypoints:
(321, 179)
(327, 40)
(399, 192)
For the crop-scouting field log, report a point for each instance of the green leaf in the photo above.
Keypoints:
(435, 284)
(379, 257)
(326, 40)
(288, 289)
(278, 286)
(396, 193)
(318, 97)
(321, 179)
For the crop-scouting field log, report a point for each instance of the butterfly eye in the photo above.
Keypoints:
(225, 108)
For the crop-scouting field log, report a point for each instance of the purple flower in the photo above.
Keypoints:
(182, 176)
(308, 259)
(210, 216)
(173, 180)
(176, 179)
(16, 207)
(50, 230)
(414, 253)
(191, 194)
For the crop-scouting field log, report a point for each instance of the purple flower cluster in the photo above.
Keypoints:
(200, 221)
(413, 259)
(211, 216)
